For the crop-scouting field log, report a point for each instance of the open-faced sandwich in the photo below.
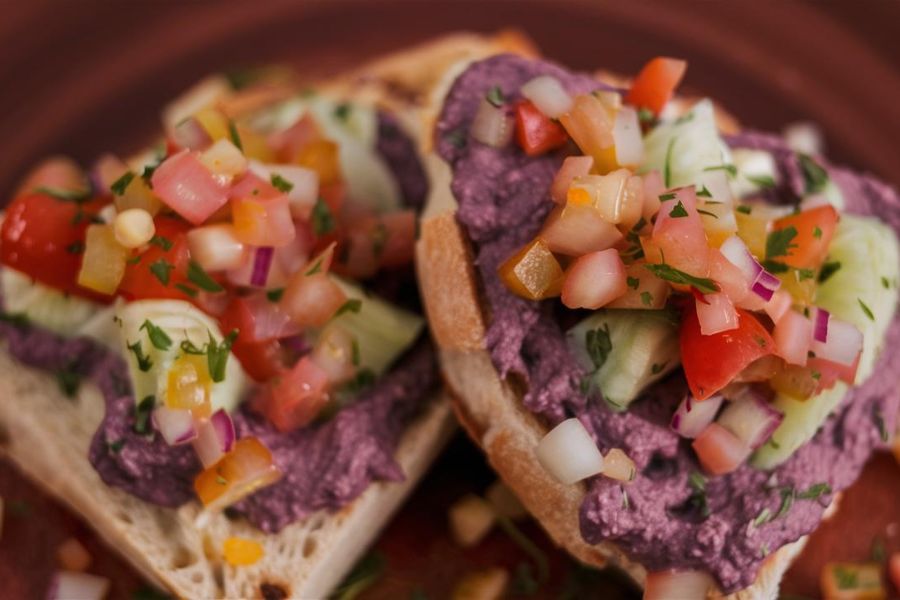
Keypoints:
(212, 350)
(674, 340)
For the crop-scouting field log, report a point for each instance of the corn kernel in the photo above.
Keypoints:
(134, 227)
(241, 552)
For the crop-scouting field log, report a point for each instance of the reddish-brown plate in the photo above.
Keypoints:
(84, 77)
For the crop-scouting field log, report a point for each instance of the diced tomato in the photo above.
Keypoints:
(261, 360)
(257, 319)
(719, 450)
(295, 397)
(712, 361)
(815, 228)
(312, 299)
(43, 237)
(372, 242)
(594, 280)
(654, 85)
(289, 142)
(160, 271)
(535, 132)
(679, 234)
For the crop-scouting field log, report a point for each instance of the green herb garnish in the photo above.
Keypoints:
(76, 247)
(234, 135)
(730, 169)
(457, 138)
(352, 305)
(275, 295)
(817, 232)
(704, 192)
(763, 181)
(657, 368)
(161, 269)
(363, 576)
(342, 111)
(707, 213)
(69, 381)
(743, 208)
(142, 414)
(217, 355)
(119, 186)
(159, 338)
(76, 196)
(667, 196)
(778, 243)
(646, 298)
(865, 308)
(879, 422)
(814, 492)
(668, 273)
(804, 274)
(201, 278)
(763, 517)
(678, 211)
(186, 289)
(667, 169)
(815, 177)
(145, 363)
(598, 345)
(633, 282)
(495, 96)
(845, 578)
(829, 269)
(281, 184)
(116, 446)
(161, 241)
(321, 218)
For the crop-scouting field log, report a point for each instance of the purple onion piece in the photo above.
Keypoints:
(262, 261)
(762, 291)
(820, 325)
(693, 416)
(224, 427)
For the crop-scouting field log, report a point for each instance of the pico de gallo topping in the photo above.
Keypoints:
(235, 250)
(652, 214)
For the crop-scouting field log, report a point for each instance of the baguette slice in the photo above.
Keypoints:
(47, 434)
(490, 409)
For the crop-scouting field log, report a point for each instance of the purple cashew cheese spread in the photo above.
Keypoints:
(666, 521)
(325, 466)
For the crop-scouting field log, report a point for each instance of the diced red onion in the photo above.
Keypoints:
(224, 428)
(843, 344)
(67, 585)
(175, 425)
(296, 254)
(243, 275)
(765, 285)
(686, 585)
(207, 445)
(493, 125)
(627, 136)
(692, 415)
(736, 251)
(820, 325)
(792, 335)
(262, 260)
(752, 419)
(716, 313)
(778, 305)
(270, 320)
(548, 95)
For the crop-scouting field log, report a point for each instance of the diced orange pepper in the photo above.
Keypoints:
(241, 552)
(248, 467)
(322, 157)
(533, 272)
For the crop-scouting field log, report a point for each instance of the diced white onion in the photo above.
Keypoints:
(175, 425)
(804, 137)
(737, 253)
(224, 158)
(779, 305)
(191, 135)
(217, 247)
(67, 585)
(716, 314)
(843, 344)
(133, 227)
(792, 336)
(569, 454)
(751, 418)
(333, 353)
(683, 585)
(492, 125)
(548, 95)
(692, 415)
(627, 136)
(305, 190)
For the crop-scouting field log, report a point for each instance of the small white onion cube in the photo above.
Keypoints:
(569, 454)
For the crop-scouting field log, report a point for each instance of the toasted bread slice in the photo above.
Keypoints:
(47, 434)
(490, 409)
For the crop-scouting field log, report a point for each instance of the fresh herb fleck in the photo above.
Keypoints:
(865, 308)
(281, 184)
(456, 138)
(885, 283)
(646, 116)
(158, 337)
(667, 169)
(598, 345)
(317, 267)
(234, 135)
(814, 492)
(116, 446)
(495, 96)
(845, 578)
(633, 282)
(804, 274)
(730, 169)
(76, 196)
(366, 572)
(119, 186)
(201, 278)
(815, 177)
(817, 232)
(745, 209)
(646, 298)
(704, 192)
(217, 355)
(186, 289)
(778, 243)
(763, 181)
(707, 213)
(69, 381)
(657, 368)
(142, 414)
(161, 269)
(352, 305)
(829, 269)
(321, 218)
(669, 273)
(763, 517)
(678, 211)
(15, 319)
(667, 196)
(161, 241)
(275, 295)
(879, 422)
(342, 111)
(145, 363)
(76, 247)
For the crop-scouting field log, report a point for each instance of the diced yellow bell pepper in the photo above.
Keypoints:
(255, 145)
(103, 264)
(214, 123)
(533, 272)
(753, 230)
(138, 195)
(189, 385)
(800, 284)
(241, 552)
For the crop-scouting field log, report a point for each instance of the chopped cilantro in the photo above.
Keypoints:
(188, 347)
(625, 503)
(145, 363)
(697, 499)
(142, 414)
(221, 480)
(667, 169)
(707, 213)
(885, 283)
(69, 382)
(119, 186)
(321, 218)
(364, 379)
(354, 352)
(828, 269)
(186, 289)
(161, 241)
(633, 282)
(778, 243)
(879, 422)
(598, 345)
(814, 175)
(743, 208)
(730, 169)
(646, 298)
(668, 273)
(685, 118)
(774, 266)
(657, 368)
(760, 341)
(14, 319)
(763, 517)
(76, 247)
(161, 269)
(814, 492)
(865, 308)
(763, 181)
(364, 575)
(134, 259)
(342, 111)
(281, 184)
(201, 278)
(352, 305)
(495, 96)
(275, 295)
(817, 232)
(646, 116)
(379, 239)
(787, 501)
(234, 135)
(149, 170)
(116, 446)
(678, 211)
(704, 192)
(667, 196)
(77, 196)
(804, 274)
(456, 138)
(845, 578)
(217, 355)
(158, 337)
(317, 266)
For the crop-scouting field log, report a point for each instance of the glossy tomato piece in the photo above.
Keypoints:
(535, 132)
(295, 397)
(248, 467)
(809, 247)
(656, 83)
(261, 360)
(43, 237)
(712, 361)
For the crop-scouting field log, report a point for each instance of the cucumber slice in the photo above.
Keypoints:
(180, 321)
(868, 252)
(354, 127)
(642, 348)
(43, 305)
(687, 146)
(382, 331)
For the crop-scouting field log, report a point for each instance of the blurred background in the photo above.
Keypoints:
(80, 77)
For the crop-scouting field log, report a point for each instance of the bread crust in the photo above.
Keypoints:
(47, 435)
(490, 410)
